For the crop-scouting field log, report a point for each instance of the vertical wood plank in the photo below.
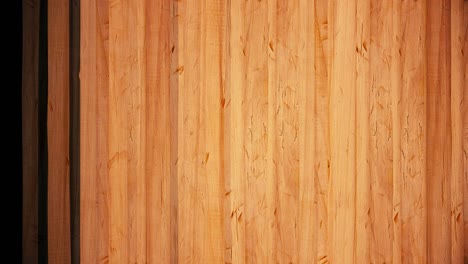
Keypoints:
(342, 186)
(175, 135)
(158, 131)
(126, 132)
(248, 121)
(380, 131)
(438, 149)
(200, 163)
(236, 74)
(58, 132)
(286, 149)
(310, 163)
(465, 127)
(321, 118)
(272, 190)
(458, 103)
(363, 189)
(94, 129)
(410, 131)
(395, 69)
(30, 92)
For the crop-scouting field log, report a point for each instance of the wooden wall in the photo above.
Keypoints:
(266, 131)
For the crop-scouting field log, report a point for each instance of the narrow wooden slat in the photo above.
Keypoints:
(363, 152)
(235, 130)
(321, 118)
(395, 69)
(30, 133)
(380, 132)
(464, 32)
(127, 110)
(409, 110)
(58, 204)
(200, 71)
(94, 129)
(286, 134)
(438, 149)
(248, 139)
(458, 102)
(311, 164)
(158, 131)
(342, 185)
(272, 189)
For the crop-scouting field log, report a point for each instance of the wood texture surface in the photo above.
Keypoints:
(58, 192)
(274, 131)
(30, 133)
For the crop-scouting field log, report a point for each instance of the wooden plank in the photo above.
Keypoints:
(363, 152)
(247, 120)
(465, 128)
(309, 87)
(320, 121)
(58, 132)
(94, 112)
(341, 202)
(127, 126)
(286, 149)
(380, 133)
(395, 69)
(30, 133)
(200, 163)
(438, 149)
(458, 88)
(158, 131)
(409, 114)
(272, 190)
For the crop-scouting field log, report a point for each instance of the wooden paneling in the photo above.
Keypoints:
(58, 205)
(94, 129)
(464, 36)
(459, 109)
(273, 131)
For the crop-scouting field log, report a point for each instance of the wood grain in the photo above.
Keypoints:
(94, 130)
(30, 133)
(458, 109)
(464, 37)
(273, 131)
(439, 140)
(58, 191)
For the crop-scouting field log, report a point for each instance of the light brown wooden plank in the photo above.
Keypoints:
(29, 92)
(94, 131)
(438, 149)
(247, 123)
(127, 110)
(342, 185)
(286, 149)
(465, 128)
(363, 152)
(458, 102)
(158, 131)
(409, 114)
(58, 205)
(310, 69)
(320, 119)
(380, 132)
(200, 165)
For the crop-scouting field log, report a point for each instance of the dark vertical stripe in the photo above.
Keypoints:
(75, 130)
(43, 168)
